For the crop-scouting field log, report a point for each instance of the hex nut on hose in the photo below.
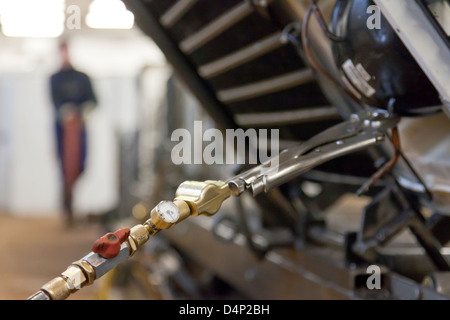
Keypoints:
(88, 271)
(74, 277)
(131, 243)
(57, 289)
(139, 234)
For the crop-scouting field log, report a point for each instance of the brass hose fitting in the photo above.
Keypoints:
(203, 198)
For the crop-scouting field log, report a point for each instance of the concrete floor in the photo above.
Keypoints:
(35, 250)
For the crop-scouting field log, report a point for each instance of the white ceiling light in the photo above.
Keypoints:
(109, 14)
(32, 18)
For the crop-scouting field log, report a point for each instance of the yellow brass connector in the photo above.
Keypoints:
(203, 198)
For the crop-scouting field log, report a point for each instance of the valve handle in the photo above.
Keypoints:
(108, 246)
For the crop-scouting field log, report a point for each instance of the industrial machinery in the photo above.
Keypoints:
(361, 99)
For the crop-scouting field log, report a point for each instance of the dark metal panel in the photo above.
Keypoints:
(186, 72)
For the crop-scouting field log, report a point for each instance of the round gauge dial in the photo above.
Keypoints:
(168, 211)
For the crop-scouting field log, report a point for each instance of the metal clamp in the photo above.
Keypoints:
(360, 132)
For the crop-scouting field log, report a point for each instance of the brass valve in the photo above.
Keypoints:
(192, 199)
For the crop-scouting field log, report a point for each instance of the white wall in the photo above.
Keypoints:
(32, 183)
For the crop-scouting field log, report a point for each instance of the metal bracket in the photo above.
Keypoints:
(387, 215)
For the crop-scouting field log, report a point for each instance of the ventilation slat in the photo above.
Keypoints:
(171, 16)
(264, 87)
(242, 56)
(286, 117)
(216, 27)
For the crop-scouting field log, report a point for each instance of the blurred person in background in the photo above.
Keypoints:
(73, 98)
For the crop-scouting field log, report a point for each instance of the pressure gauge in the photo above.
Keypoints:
(165, 214)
